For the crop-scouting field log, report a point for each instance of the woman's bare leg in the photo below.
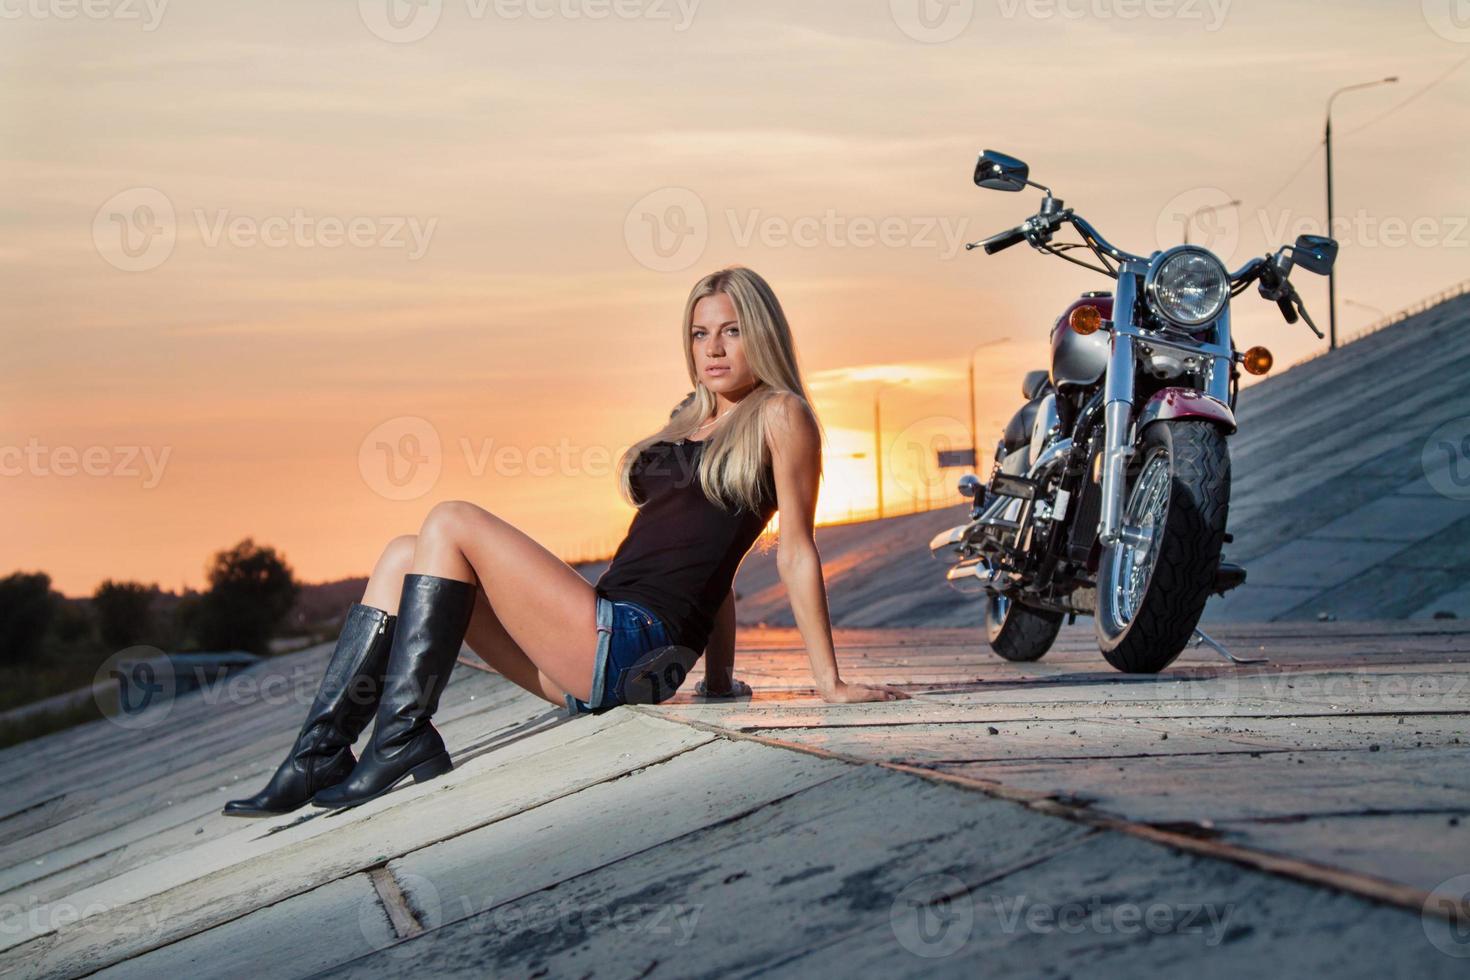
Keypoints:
(385, 584)
(488, 638)
(486, 635)
(542, 606)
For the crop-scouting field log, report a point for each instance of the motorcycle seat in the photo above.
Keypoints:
(1018, 430)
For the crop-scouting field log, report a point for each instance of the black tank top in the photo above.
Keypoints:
(681, 552)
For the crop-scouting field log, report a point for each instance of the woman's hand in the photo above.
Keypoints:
(734, 689)
(845, 693)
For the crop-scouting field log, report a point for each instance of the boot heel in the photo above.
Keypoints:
(436, 766)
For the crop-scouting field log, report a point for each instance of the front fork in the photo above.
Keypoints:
(1118, 395)
(1118, 411)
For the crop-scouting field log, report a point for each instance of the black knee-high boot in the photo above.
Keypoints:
(433, 616)
(344, 704)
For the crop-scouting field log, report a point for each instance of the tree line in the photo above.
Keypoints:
(250, 591)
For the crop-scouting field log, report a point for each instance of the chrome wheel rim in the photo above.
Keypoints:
(996, 608)
(999, 606)
(1137, 549)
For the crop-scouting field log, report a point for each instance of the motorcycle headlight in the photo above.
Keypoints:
(1187, 286)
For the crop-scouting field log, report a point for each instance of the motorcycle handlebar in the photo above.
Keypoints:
(1003, 240)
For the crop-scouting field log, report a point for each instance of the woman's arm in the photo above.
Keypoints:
(796, 447)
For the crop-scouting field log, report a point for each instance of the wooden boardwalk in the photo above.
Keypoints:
(1307, 816)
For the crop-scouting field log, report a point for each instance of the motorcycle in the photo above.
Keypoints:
(1110, 488)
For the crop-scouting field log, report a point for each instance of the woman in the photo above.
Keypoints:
(743, 446)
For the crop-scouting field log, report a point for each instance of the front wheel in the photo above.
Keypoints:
(1153, 583)
(1017, 632)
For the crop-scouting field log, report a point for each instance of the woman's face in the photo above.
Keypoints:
(719, 349)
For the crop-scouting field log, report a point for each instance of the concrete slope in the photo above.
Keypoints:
(1342, 505)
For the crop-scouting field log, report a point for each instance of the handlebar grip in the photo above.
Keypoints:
(1287, 310)
(1005, 239)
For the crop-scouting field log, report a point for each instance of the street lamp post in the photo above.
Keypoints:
(878, 438)
(974, 433)
(1327, 139)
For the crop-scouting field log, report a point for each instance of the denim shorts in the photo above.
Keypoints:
(635, 662)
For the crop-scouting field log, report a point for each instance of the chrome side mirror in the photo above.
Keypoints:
(998, 172)
(1315, 253)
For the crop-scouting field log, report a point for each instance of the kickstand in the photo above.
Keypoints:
(1200, 636)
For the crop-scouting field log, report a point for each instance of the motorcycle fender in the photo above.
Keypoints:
(1185, 403)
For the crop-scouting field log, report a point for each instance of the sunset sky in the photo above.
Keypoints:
(253, 250)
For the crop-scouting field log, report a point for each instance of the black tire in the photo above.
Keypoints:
(1018, 632)
(1183, 571)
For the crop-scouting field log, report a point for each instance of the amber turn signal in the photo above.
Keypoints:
(1085, 320)
(1257, 360)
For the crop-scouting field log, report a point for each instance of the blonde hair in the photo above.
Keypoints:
(732, 466)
